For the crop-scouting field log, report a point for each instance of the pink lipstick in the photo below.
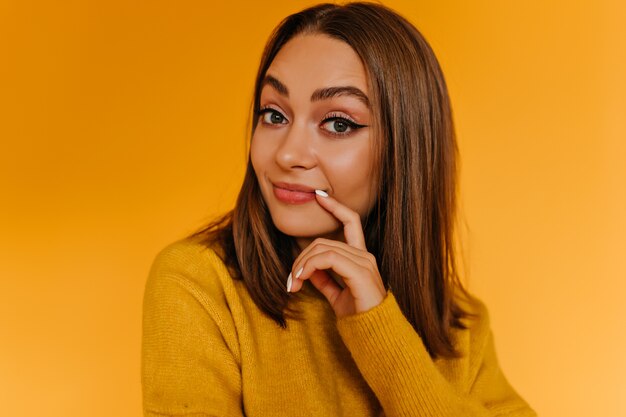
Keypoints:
(293, 193)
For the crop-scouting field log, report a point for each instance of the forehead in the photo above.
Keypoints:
(311, 61)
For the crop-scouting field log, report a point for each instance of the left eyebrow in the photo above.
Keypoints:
(330, 92)
(320, 93)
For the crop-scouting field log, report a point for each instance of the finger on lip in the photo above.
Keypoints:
(321, 193)
(351, 221)
(339, 210)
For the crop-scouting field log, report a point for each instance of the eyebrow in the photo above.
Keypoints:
(320, 93)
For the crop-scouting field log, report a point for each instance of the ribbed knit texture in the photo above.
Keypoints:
(207, 350)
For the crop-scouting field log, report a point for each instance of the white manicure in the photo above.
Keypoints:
(289, 283)
(322, 193)
(299, 272)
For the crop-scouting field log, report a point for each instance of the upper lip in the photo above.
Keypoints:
(294, 187)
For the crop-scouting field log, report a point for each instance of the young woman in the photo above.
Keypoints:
(331, 289)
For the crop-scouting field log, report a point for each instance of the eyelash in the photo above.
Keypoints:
(331, 117)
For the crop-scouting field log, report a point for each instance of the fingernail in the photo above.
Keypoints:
(299, 272)
(322, 193)
(289, 283)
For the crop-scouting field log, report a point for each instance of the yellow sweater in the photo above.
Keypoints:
(207, 350)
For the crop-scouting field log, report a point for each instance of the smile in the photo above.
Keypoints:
(293, 193)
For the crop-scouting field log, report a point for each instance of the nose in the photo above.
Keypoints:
(296, 148)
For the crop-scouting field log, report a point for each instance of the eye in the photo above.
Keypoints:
(271, 116)
(340, 125)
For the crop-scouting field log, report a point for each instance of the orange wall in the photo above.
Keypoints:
(122, 128)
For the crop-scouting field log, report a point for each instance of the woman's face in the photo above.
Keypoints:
(312, 106)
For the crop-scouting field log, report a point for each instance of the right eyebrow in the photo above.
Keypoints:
(278, 86)
(321, 93)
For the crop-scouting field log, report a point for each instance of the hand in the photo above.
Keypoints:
(351, 261)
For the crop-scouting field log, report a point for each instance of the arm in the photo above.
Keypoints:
(394, 361)
(187, 367)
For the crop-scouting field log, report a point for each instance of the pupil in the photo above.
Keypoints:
(340, 126)
(276, 117)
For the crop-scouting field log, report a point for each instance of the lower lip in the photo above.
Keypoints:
(293, 197)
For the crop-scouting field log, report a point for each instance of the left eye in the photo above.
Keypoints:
(340, 126)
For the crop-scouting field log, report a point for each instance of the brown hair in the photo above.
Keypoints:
(410, 229)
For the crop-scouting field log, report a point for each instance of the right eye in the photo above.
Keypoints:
(271, 116)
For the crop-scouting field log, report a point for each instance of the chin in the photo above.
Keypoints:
(297, 226)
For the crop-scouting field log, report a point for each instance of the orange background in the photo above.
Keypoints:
(122, 128)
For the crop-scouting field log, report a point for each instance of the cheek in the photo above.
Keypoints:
(258, 155)
(350, 175)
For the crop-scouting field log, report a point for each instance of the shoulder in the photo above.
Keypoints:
(477, 324)
(187, 299)
(193, 266)
(185, 257)
(478, 313)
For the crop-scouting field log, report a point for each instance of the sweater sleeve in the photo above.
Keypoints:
(187, 367)
(395, 363)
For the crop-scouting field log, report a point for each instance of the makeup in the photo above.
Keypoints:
(293, 197)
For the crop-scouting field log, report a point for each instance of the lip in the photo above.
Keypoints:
(293, 193)
(294, 187)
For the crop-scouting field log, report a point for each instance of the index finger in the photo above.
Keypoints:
(351, 220)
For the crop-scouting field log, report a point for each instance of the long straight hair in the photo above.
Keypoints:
(410, 229)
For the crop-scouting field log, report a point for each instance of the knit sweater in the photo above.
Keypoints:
(208, 350)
